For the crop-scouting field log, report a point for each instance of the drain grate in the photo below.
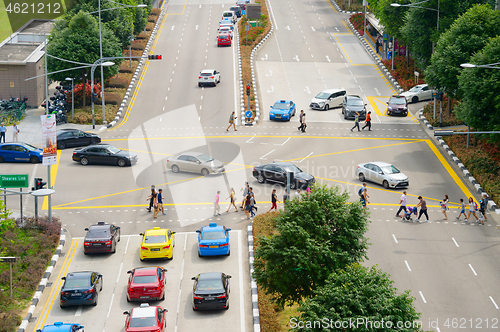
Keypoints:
(62, 254)
(49, 284)
(33, 319)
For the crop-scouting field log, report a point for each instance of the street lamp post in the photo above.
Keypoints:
(72, 79)
(102, 63)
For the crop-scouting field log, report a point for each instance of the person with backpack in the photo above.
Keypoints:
(364, 197)
(402, 205)
(356, 121)
(362, 189)
(484, 206)
(472, 209)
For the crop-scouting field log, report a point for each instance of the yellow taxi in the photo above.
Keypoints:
(157, 243)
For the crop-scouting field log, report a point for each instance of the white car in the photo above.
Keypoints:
(208, 77)
(229, 15)
(226, 29)
(385, 174)
(328, 99)
(418, 93)
(226, 23)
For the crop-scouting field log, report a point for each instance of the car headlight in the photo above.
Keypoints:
(302, 181)
(389, 108)
(321, 103)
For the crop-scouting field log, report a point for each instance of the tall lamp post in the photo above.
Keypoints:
(102, 63)
(72, 79)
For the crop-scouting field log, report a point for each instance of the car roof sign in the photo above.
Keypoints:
(213, 224)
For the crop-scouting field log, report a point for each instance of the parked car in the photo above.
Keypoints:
(208, 77)
(397, 105)
(20, 152)
(418, 93)
(277, 172)
(213, 240)
(157, 243)
(353, 104)
(229, 15)
(223, 39)
(211, 291)
(236, 10)
(383, 173)
(328, 99)
(61, 327)
(146, 318)
(75, 137)
(80, 288)
(101, 238)
(282, 110)
(104, 154)
(146, 284)
(195, 162)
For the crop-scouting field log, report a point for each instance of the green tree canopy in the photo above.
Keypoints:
(480, 105)
(356, 299)
(391, 18)
(316, 235)
(466, 36)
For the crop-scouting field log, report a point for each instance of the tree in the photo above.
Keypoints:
(316, 235)
(391, 18)
(480, 105)
(79, 42)
(466, 36)
(358, 299)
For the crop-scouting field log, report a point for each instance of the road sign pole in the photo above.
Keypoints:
(21, 203)
(5, 203)
(36, 208)
(50, 196)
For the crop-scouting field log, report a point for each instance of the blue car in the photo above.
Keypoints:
(20, 152)
(213, 240)
(282, 110)
(61, 327)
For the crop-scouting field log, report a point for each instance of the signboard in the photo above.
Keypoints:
(49, 139)
(14, 181)
(8, 259)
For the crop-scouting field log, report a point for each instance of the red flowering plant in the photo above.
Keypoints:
(358, 21)
(78, 91)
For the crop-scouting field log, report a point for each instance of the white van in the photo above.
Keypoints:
(229, 15)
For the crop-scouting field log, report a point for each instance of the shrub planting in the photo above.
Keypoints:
(358, 21)
(126, 70)
(112, 98)
(117, 83)
(137, 46)
(78, 91)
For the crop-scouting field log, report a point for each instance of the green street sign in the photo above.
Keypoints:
(14, 181)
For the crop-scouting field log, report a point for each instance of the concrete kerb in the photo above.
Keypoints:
(492, 205)
(137, 71)
(43, 283)
(253, 282)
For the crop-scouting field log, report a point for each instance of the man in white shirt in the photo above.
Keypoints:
(297, 194)
(402, 204)
(15, 132)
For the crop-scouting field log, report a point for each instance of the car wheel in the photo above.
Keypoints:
(34, 160)
(361, 177)
(229, 253)
(345, 116)
(62, 145)
(1, 159)
(327, 107)
(175, 168)
(205, 172)
(62, 307)
(199, 85)
(218, 45)
(163, 297)
(128, 300)
(114, 249)
(84, 161)
(93, 141)
(171, 257)
(96, 298)
(227, 305)
(385, 184)
(194, 309)
(142, 259)
(121, 162)
(199, 255)
(414, 99)
(261, 178)
(406, 114)
(293, 185)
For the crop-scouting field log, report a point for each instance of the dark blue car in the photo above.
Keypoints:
(62, 327)
(282, 110)
(80, 288)
(20, 152)
(213, 240)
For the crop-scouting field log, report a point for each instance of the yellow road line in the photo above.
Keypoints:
(333, 7)
(56, 285)
(262, 136)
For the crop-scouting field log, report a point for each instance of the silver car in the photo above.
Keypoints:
(385, 174)
(418, 93)
(195, 162)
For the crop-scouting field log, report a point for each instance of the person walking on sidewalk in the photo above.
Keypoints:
(232, 202)
(231, 122)
(216, 204)
(160, 201)
(301, 115)
(3, 130)
(274, 199)
(356, 121)
(15, 132)
(368, 122)
(423, 209)
(462, 210)
(303, 126)
(402, 205)
(472, 208)
(444, 206)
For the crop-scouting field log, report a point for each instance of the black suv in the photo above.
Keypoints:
(101, 238)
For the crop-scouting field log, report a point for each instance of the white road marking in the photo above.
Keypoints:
(473, 271)
(327, 58)
(422, 296)
(166, 97)
(251, 139)
(281, 143)
(395, 240)
(240, 272)
(110, 304)
(376, 90)
(287, 28)
(313, 29)
(455, 242)
(120, 270)
(235, 83)
(264, 58)
(408, 266)
(196, 28)
(307, 90)
(78, 312)
(126, 247)
(272, 14)
(173, 27)
(270, 73)
(266, 155)
(305, 157)
(296, 57)
(494, 303)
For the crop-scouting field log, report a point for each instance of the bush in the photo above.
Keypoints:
(358, 21)
(155, 12)
(78, 91)
(404, 74)
(152, 19)
(119, 83)
(126, 70)
(141, 36)
(83, 117)
(112, 98)
(150, 26)
(137, 46)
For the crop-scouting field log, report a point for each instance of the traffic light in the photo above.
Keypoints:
(248, 89)
(154, 57)
(439, 96)
(39, 184)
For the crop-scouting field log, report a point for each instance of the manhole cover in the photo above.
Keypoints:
(33, 319)
(62, 254)
(49, 284)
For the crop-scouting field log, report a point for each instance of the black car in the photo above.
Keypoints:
(101, 238)
(211, 291)
(276, 172)
(75, 137)
(236, 10)
(353, 104)
(80, 288)
(104, 154)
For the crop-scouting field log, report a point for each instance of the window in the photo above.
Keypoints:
(18, 148)
(93, 150)
(192, 159)
(8, 148)
(183, 158)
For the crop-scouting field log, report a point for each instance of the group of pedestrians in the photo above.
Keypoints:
(368, 121)
(302, 121)
(155, 201)
(3, 131)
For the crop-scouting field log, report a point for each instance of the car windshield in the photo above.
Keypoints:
(206, 74)
(354, 102)
(145, 279)
(143, 322)
(415, 89)
(210, 285)
(281, 106)
(323, 95)
(30, 147)
(292, 168)
(213, 235)
(204, 158)
(98, 233)
(155, 239)
(113, 149)
(77, 283)
(398, 101)
(390, 169)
